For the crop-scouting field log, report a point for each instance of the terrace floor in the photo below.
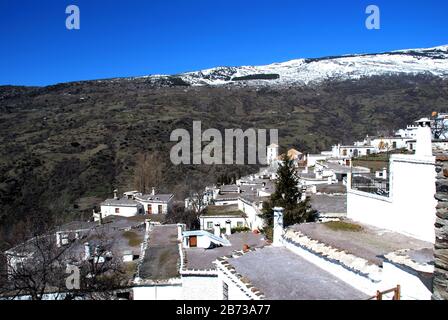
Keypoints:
(162, 255)
(370, 243)
(202, 259)
(282, 275)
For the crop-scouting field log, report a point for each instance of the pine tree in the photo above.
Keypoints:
(287, 195)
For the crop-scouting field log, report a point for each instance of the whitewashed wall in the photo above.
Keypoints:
(222, 221)
(313, 158)
(155, 207)
(201, 288)
(225, 202)
(158, 292)
(124, 211)
(202, 242)
(253, 220)
(410, 208)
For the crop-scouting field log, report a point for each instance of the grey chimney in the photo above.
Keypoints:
(278, 226)
(116, 194)
(87, 254)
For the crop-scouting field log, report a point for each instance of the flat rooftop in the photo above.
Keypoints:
(116, 233)
(324, 203)
(162, 254)
(370, 243)
(202, 259)
(228, 210)
(331, 188)
(282, 275)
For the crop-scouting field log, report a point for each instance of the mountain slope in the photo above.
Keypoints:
(64, 148)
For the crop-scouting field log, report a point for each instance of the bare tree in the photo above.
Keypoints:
(148, 171)
(34, 269)
(179, 214)
(38, 269)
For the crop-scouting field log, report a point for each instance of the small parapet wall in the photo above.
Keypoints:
(238, 280)
(356, 271)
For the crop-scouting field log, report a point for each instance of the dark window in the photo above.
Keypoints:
(117, 210)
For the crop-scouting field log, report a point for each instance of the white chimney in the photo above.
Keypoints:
(423, 147)
(228, 228)
(349, 180)
(217, 230)
(303, 194)
(87, 254)
(116, 194)
(180, 230)
(58, 239)
(278, 226)
(153, 191)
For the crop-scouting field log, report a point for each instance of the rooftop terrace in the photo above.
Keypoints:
(369, 243)
(229, 210)
(282, 275)
(202, 259)
(162, 254)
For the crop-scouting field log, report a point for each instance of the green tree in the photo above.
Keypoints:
(287, 195)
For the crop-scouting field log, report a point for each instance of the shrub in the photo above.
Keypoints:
(240, 229)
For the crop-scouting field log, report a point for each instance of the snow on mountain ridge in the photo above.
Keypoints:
(432, 61)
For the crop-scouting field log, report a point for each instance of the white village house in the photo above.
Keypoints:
(135, 203)
(120, 207)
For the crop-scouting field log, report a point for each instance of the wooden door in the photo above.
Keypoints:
(160, 209)
(149, 209)
(193, 241)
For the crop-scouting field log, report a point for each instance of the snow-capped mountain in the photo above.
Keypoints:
(432, 61)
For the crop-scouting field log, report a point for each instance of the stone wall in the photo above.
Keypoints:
(440, 289)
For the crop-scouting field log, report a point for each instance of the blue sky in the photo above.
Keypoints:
(140, 37)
